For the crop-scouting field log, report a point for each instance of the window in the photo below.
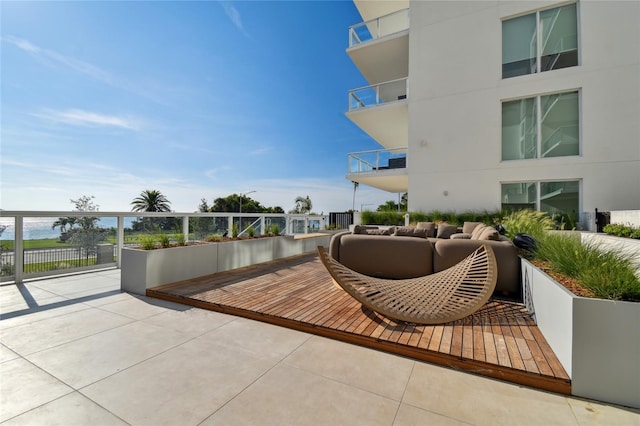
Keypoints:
(560, 199)
(542, 41)
(541, 127)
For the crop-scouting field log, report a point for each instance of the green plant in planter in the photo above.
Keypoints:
(147, 242)
(180, 239)
(273, 229)
(622, 231)
(234, 230)
(165, 242)
(530, 222)
(214, 238)
(608, 274)
(251, 232)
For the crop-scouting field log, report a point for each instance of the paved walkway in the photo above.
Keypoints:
(75, 350)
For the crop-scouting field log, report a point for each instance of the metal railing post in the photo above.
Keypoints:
(18, 250)
(119, 241)
(185, 228)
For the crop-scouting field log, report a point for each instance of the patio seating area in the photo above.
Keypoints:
(75, 350)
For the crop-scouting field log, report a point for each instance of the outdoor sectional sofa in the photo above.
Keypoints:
(410, 252)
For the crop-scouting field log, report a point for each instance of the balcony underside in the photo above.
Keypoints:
(387, 124)
(372, 9)
(384, 59)
(394, 180)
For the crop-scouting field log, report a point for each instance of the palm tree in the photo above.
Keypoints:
(151, 200)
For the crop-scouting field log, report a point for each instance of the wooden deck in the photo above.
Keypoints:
(499, 341)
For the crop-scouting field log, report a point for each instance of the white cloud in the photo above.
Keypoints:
(54, 58)
(78, 117)
(261, 151)
(234, 16)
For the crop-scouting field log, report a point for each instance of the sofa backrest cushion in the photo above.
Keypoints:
(468, 227)
(386, 257)
(429, 226)
(477, 231)
(372, 230)
(410, 231)
(445, 230)
(485, 232)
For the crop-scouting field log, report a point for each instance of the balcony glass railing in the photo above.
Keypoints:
(42, 243)
(379, 27)
(378, 94)
(377, 160)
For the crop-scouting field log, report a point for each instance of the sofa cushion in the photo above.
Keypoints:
(429, 226)
(372, 230)
(409, 231)
(445, 230)
(386, 256)
(489, 233)
(468, 227)
(460, 236)
(477, 231)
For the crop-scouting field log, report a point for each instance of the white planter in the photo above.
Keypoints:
(143, 269)
(596, 340)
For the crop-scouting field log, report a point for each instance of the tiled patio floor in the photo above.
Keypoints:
(75, 350)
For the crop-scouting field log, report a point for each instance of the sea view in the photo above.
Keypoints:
(36, 228)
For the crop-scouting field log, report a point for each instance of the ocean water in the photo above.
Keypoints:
(36, 228)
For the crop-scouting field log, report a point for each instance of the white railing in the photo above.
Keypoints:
(102, 244)
(377, 160)
(380, 27)
(378, 94)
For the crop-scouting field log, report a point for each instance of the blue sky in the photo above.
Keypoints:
(194, 99)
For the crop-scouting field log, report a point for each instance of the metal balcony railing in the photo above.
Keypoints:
(379, 27)
(30, 247)
(378, 94)
(377, 160)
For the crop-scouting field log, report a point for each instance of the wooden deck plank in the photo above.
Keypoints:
(500, 340)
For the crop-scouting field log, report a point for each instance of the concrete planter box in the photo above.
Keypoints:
(596, 340)
(143, 269)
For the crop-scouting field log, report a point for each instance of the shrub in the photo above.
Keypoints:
(530, 222)
(234, 230)
(273, 229)
(213, 238)
(147, 242)
(164, 241)
(251, 232)
(622, 231)
(608, 274)
(180, 239)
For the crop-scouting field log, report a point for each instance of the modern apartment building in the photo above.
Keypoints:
(488, 104)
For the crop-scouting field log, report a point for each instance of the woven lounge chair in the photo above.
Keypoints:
(431, 299)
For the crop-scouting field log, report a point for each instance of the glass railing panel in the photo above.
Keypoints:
(378, 94)
(380, 27)
(7, 245)
(377, 160)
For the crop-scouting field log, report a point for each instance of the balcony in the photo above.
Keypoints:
(380, 47)
(381, 111)
(382, 169)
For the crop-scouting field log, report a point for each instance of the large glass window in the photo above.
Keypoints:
(540, 127)
(561, 199)
(541, 41)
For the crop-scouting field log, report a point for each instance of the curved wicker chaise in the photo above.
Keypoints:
(431, 299)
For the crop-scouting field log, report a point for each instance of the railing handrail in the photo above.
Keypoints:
(373, 151)
(378, 84)
(376, 23)
(62, 213)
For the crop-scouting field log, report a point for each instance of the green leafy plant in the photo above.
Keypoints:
(165, 242)
(251, 232)
(530, 222)
(608, 274)
(234, 230)
(622, 231)
(214, 238)
(147, 242)
(180, 239)
(273, 229)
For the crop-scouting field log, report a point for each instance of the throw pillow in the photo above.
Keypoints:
(468, 227)
(445, 230)
(429, 226)
(408, 231)
(489, 234)
(477, 231)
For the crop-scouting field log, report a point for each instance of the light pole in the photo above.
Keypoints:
(242, 195)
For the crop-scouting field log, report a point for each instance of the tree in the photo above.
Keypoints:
(231, 203)
(303, 205)
(151, 200)
(88, 235)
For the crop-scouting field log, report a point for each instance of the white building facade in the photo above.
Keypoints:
(481, 105)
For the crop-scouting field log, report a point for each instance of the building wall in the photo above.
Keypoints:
(456, 95)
